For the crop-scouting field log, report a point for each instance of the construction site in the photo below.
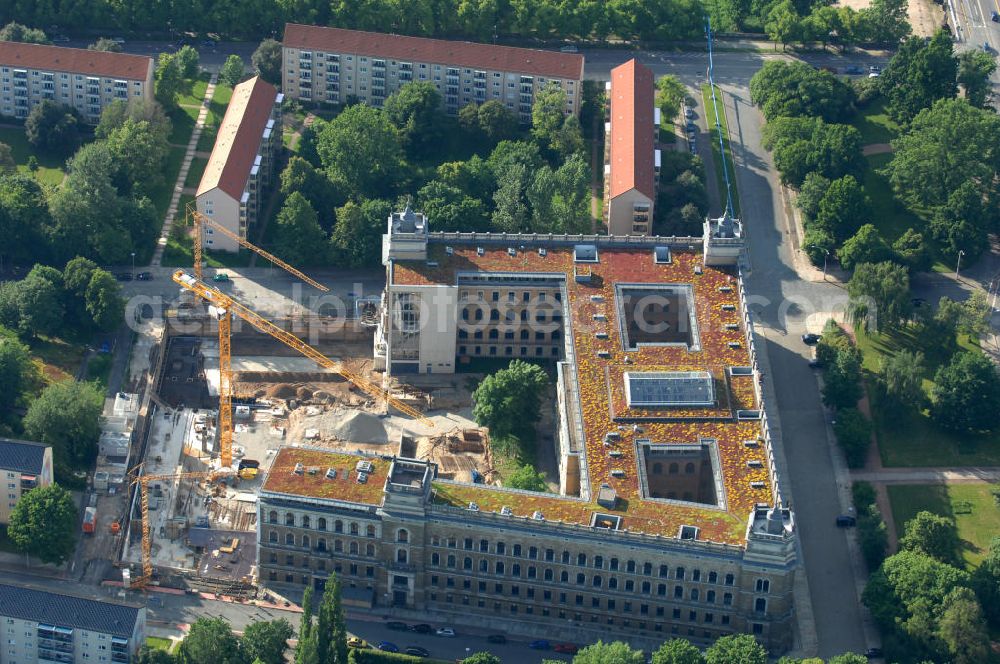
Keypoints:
(228, 389)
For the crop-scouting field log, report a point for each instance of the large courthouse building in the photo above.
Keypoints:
(670, 520)
(334, 65)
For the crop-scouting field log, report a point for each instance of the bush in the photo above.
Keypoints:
(863, 495)
(853, 431)
(873, 536)
(379, 657)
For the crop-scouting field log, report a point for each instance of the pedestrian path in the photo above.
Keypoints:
(189, 155)
(929, 475)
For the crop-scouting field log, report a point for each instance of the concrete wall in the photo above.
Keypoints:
(225, 212)
(620, 212)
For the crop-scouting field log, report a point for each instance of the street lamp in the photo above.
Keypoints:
(133, 265)
(959, 263)
(826, 255)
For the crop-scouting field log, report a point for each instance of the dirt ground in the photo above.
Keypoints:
(925, 16)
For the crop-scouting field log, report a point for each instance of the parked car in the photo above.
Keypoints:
(445, 631)
(539, 644)
(854, 70)
(422, 628)
(811, 339)
(571, 48)
(387, 646)
(846, 521)
(814, 361)
(124, 276)
(60, 39)
(995, 17)
(355, 642)
(496, 638)
(118, 40)
(397, 626)
(210, 43)
(688, 112)
(221, 276)
(144, 276)
(568, 648)
(874, 653)
(417, 651)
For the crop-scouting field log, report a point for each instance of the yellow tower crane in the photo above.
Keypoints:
(199, 221)
(221, 301)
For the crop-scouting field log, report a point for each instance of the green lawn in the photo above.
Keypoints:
(706, 93)
(914, 440)
(195, 172)
(182, 208)
(875, 125)
(223, 93)
(183, 119)
(179, 253)
(157, 643)
(887, 213)
(194, 92)
(216, 112)
(51, 170)
(56, 359)
(171, 168)
(971, 506)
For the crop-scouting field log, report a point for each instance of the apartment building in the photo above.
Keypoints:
(23, 466)
(334, 65)
(242, 164)
(86, 80)
(631, 160)
(669, 520)
(46, 626)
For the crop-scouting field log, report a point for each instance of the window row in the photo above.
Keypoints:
(305, 542)
(352, 527)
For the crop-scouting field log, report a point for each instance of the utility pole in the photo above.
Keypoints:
(959, 263)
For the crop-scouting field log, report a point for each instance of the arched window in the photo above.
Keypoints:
(289, 538)
(710, 597)
(760, 605)
(713, 577)
(465, 313)
(498, 568)
(338, 546)
(547, 575)
(494, 314)
(646, 587)
(370, 550)
(597, 581)
(435, 559)
(479, 314)
(484, 565)
(289, 519)
(673, 468)
(467, 563)
(515, 570)
(647, 568)
(273, 517)
(494, 334)
(451, 561)
(694, 594)
(321, 544)
(272, 537)
(370, 530)
(661, 589)
(354, 528)
(689, 469)
(557, 335)
(305, 522)
(401, 556)
(354, 548)
(338, 526)
(305, 542)
(581, 559)
(564, 576)
(321, 524)
(402, 535)
(657, 468)
(524, 335)
(613, 583)
(516, 552)
(598, 562)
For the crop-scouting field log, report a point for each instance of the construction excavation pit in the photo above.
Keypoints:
(200, 509)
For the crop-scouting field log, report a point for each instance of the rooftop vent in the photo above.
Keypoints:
(688, 533)
(607, 497)
(365, 467)
(331, 473)
(299, 469)
(755, 463)
(450, 251)
(618, 472)
(537, 516)
(362, 478)
(585, 253)
(473, 507)
(732, 327)
(480, 251)
(751, 443)
(661, 255)
(432, 263)
(600, 318)
(601, 335)
(697, 269)
(729, 307)
(725, 289)
(312, 470)
(733, 344)
(612, 435)
(615, 454)
(757, 485)
(597, 298)
(604, 355)
(506, 511)
(542, 251)
(511, 251)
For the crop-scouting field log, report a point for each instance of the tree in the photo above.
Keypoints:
(137, 152)
(848, 658)
(18, 373)
(481, 658)
(782, 23)
(783, 88)
(742, 648)
(267, 61)
(210, 641)
(7, 164)
(24, 219)
(841, 387)
(231, 72)
(511, 213)
(15, 32)
(331, 634)
(300, 176)
(449, 209)
(812, 191)
(361, 152)
(912, 250)
(266, 641)
(617, 652)
(819, 245)
(873, 536)
(918, 74)
(188, 61)
(105, 44)
(550, 126)
(560, 199)
(305, 649)
(508, 401)
(39, 306)
(963, 629)
(104, 302)
(677, 651)
(149, 655)
(52, 127)
(962, 223)
(932, 535)
(986, 582)
(357, 235)
(802, 145)
(137, 109)
(43, 522)
(853, 431)
(866, 246)
(843, 210)
(474, 177)
(901, 380)
(948, 145)
(299, 239)
(168, 79)
(496, 121)
(67, 416)
(974, 71)
(415, 110)
(880, 295)
(527, 478)
(886, 20)
(966, 394)
(670, 92)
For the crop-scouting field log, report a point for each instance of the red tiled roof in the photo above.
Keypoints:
(74, 60)
(632, 146)
(438, 51)
(239, 137)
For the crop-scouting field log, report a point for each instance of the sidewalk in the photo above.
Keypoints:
(189, 154)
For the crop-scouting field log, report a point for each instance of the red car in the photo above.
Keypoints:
(567, 648)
